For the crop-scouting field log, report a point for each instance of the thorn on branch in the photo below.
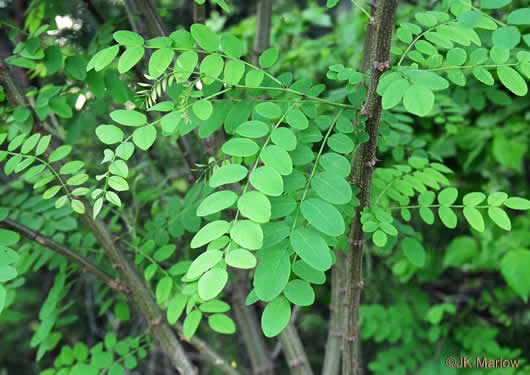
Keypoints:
(117, 266)
(360, 284)
(118, 286)
(297, 362)
(382, 66)
(156, 322)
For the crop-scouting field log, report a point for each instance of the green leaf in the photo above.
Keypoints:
(228, 174)
(205, 37)
(116, 369)
(144, 137)
(516, 203)
(297, 119)
(103, 58)
(7, 273)
(494, 4)
(483, 75)
(268, 110)
(232, 46)
(276, 316)
(394, 93)
(128, 118)
(269, 57)
(506, 37)
(448, 217)
(254, 78)
(308, 273)
(470, 18)
(61, 107)
(335, 163)
(75, 68)
(203, 263)
(214, 306)
(276, 157)
(212, 283)
(216, 202)
(128, 38)
(8, 238)
(474, 218)
(460, 251)
(418, 100)
(284, 137)
(332, 188)
(221, 323)
(380, 238)
(109, 134)
(499, 217)
(240, 147)
(30, 143)
(457, 56)
(497, 198)
(60, 153)
(426, 79)
(253, 129)
(300, 293)
(163, 289)
(256, 206)
(447, 196)
(160, 61)
(332, 3)
(185, 65)
(267, 180)
(191, 323)
(414, 251)
(341, 143)
(130, 58)
(272, 273)
(203, 109)
(426, 19)
(234, 70)
(247, 234)
(323, 216)
(512, 80)
(166, 106)
(473, 199)
(211, 67)
(182, 39)
(240, 258)
(311, 248)
(519, 17)
(209, 232)
(514, 268)
(3, 295)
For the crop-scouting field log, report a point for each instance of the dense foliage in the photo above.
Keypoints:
(200, 180)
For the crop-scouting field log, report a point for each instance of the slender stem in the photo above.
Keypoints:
(294, 351)
(365, 164)
(85, 264)
(263, 28)
(247, 323)
(335, 333)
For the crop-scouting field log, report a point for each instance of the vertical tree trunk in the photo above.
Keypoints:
(263, 28)
(365, 164)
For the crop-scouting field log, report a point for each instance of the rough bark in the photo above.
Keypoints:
(365, 164)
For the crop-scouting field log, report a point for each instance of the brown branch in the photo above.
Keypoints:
(263, 28)
(208, 353)
(250, 330)
(333, 352)
(85, 264)
(140, 293)
(365, 164)
(294, 351)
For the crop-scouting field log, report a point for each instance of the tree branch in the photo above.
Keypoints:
(85, 264)
(252, 336)
(365, 164)
(294, 351)
(115, 284)
(140, 293)
(263, 29)
(333, 352)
